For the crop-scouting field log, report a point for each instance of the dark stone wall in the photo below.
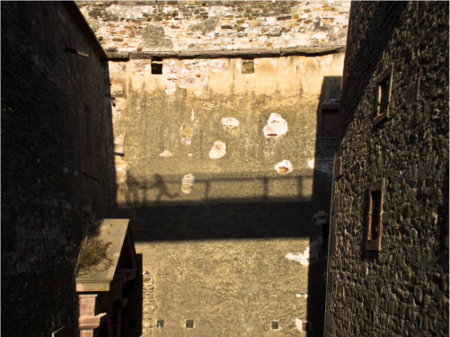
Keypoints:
(48, 203)
(401, 290)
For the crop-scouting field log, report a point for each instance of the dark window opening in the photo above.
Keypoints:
(383, 95)
(375, 204)
(157, 66)
(190, 323)
(274, 325)
(248, 66)
(160, 323)
(374, 217)
(131, 323)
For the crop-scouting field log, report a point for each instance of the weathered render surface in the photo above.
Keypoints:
(196, 152)
(216, 25)
(47, 201)
(401, 290)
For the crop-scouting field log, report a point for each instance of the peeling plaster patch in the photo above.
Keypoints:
(218, 150)
(310, 255)
(276, 126)
(187, 182)
(186, 133)
(302, 325)
(284, 167)
(302, 295)
(230, 122)
(165, 154)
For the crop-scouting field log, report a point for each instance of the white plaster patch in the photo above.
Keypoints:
(302, 295)
(170, 91)
(218, 150)
(165, 154)
(299, 324)
(276, 126)
(310, 254)
(230, 122)
(192, 115)
(187, 182)
(284, 167)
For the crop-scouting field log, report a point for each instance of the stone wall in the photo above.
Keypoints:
(171, 125)
(53, 186)
(402, 290)
(220, 164)
(216, 25)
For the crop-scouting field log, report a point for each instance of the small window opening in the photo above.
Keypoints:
(383, 95)
(375, 213)
(248, 66)
(190, 323)
(375, 203)
(274, 325)
(160, 323)
(157, 66)
(131, 323)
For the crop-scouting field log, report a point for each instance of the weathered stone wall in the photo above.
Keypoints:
(216, 25)
(215, 227)
(47, 201)
(165, 127)
(403, 289)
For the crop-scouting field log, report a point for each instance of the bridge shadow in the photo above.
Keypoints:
(243, 207)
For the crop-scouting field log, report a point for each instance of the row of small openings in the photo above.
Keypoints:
(248, 66)
(160, 323)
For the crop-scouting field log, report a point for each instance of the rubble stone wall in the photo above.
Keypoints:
(216, 25)
(48, 203)
(403, 289)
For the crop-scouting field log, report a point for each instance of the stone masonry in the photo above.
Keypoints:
(216, 25)
(51, 193)
(401, 290)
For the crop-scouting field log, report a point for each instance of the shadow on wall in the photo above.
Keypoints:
(205, 207)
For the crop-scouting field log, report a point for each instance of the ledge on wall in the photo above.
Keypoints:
(299, 50)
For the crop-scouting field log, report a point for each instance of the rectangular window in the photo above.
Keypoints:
(337, 167)
(383, 95)
(248, 66)
(375, 214)
(157, 66)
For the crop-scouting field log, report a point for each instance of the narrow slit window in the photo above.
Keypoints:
(157, 66)
(383, 95)
(374, 219)
(190, 323)
(248, 66)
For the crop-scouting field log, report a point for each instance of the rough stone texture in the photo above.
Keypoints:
(47, 201)
(403, 289)
(216, 25)
(216, 250)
